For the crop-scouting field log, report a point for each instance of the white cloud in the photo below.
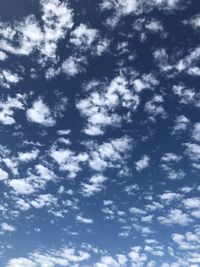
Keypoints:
(170, 158)
(41, 114)
(137, 257)
(5, 227)
(64, 132)
(3, 56)
(146, 81)
(21, 186)
(176, 175)
(83, 36)
(28, 156)
(83, 220)
(181, 124)
(175, 217)
(137, 211)
(110, 154)
(124, 7)
(8, 78)
(22, 204)
(29, 33)
(100, 107)
(168, 3)
(44, 172)
(57, 19)
(21, 262)
(69, 161)
(108, 261)
(142, 164)
(194, 71)
(196, 132)
(154, 26)
(11, 164)
(43, 200)
(189, 60)
(168, 197)
(3, 175)
(94, 185)
(192, 203)
(194, 21)
(154, 106)
(193, 151)
(73, 65)
(7, 109)
(66, 256)
(189, 241)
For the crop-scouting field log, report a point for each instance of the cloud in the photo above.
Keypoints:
(11, 164)
(191, 203)
(100, 108)
(194, 22)
(73, 65)
(69, 161)
(193, 151)
(58, 19)
(94, 185)
(3, 175)
(168, 197)
(154, 107)
(28, 156)
(3, 56)
(137, 257)
(21, 186)
(83, 220)
(43, 200)
(83, 36)
(41, 114)
(181, 124)
(107, 261)
(169, 158)
(142, 164)
(32, 35)
(109, 154)
(175, 217)
(8, 107)
(21, 262)
(75, 143)
(7, 78)
(135, 7)
(5, 227)
(196, 132)
(66, 256)
(154, 26)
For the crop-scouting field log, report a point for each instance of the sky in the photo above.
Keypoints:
(99, 133)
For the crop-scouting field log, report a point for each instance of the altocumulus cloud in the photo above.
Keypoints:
(100, 133)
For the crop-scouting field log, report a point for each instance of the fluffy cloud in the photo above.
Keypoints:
(8, 107)
(57, 19)
(84, 220)
(40, 113)
(21, 186)
(3, 175)
(174, 217)
(94, 185)
(21, 262)
(100, 107)
(143, 163)
(63, 257)
(28, 156)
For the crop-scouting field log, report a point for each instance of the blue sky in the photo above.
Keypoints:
(100, 133)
